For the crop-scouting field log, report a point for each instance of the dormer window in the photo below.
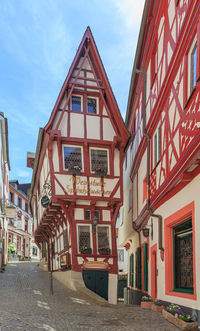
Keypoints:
(72, 157)
(76, 103)
(91, 105)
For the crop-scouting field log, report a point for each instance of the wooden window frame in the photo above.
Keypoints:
(97, 105)
(99, 149)
(179, 217)
(72, 146)
(71, 103)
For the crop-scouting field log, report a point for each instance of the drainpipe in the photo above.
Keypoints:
(159, 217)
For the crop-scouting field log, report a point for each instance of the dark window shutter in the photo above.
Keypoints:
(145, 265)
(139, 283)
(131, 271)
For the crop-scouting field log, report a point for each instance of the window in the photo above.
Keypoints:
(65, 241)
(157, 146)
(19, 202)
(91, 105)
(34, 251)
(99, 160)
(26, 207)
(76, 103)
(26, 226)
(84, 239)
(10, 238)
(87, 215)
(72, 157)
(193, 60)
(18, 243)
(138, 269)
(103, 237)
(183, 257)
(180, 257)
(120, 253)
(11, 197)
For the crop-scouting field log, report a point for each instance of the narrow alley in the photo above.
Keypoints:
(26, 304)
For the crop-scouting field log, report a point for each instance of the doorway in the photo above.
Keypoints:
(97, 281)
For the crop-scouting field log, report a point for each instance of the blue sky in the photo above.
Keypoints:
(38, 41)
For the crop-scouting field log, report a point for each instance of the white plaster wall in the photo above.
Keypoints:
(63, 125)
(77, 125)
(116, 163)
(108, 130)
(106, 215)
(55, 156)
(189, 194)
(141, 175)
(112, 288)
(79, 214)
(93, 127)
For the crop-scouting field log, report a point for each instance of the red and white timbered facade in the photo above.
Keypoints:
(79, 169)
(162, 170)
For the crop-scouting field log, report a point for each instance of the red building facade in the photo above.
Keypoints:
(163, 161)
(77, 179)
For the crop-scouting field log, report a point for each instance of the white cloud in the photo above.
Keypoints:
(131, 11)
(24, 174)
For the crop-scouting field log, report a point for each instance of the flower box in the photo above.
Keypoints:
(74, 170)
(104, 251)
(146, 304)
(157, 308)
(179, 322)
(86, 250)
(100, 172)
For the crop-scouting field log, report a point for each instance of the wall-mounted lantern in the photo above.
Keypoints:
(94, 223)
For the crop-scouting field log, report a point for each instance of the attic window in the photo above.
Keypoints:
(76, 103)
(91, 105)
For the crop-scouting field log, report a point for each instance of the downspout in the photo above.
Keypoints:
(145, 134)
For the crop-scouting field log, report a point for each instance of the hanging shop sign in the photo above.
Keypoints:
(45, 201)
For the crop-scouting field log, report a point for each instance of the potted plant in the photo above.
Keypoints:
(176, 316)
(146, 302)
(86, 250)
(74, 169)
(157, 306)
(100, 172)
(104, 251)
(21, 258)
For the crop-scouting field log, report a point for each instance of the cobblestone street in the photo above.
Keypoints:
(26, 304)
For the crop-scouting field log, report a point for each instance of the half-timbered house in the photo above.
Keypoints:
(160, 216)
(77, 186)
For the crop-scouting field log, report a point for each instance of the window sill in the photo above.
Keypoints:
(182, 294)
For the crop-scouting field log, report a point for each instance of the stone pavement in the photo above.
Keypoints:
(26, 304)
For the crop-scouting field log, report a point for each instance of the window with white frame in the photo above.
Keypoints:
(157, 146)
(91, 105)
(84, 240)
(76, 103)
(99, 160)
(103, 237)
(72, 157)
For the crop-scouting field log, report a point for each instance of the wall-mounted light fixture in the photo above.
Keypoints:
(145, 230)
(94, 223)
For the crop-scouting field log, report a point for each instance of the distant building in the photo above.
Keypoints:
(20, 228)
(4, 172)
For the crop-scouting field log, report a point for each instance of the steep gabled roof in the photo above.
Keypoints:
(88, 51)
(137, 60)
